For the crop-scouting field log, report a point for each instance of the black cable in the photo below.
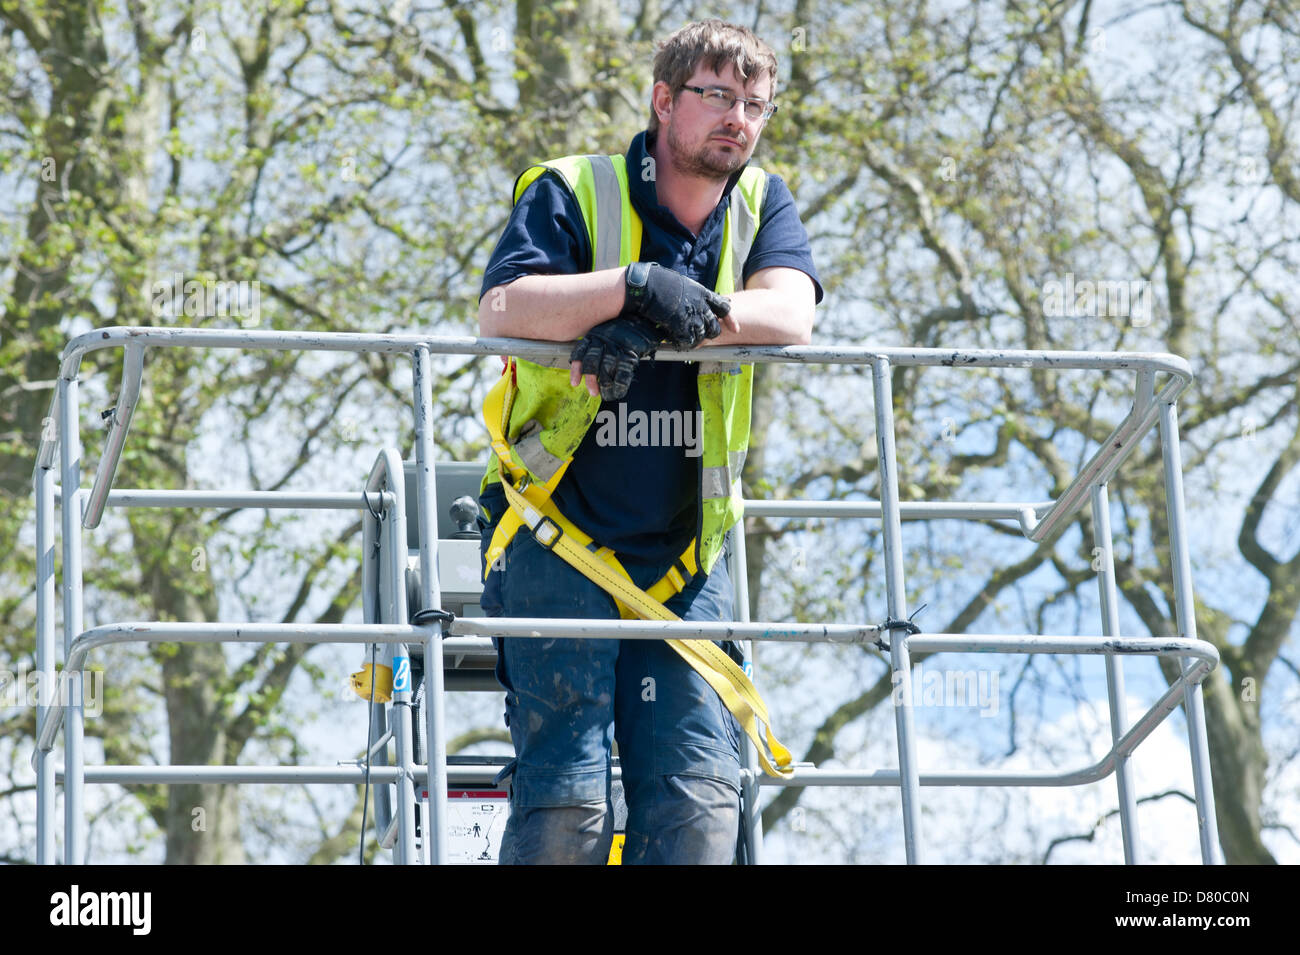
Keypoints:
(908, 626)
(370, 728)
(434, 613)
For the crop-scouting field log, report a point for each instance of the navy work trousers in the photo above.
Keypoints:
(567, 700)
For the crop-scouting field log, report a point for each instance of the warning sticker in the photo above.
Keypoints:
(476, 819)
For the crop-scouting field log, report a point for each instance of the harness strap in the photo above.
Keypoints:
(496, 411)
(531, 506)
(557, 534)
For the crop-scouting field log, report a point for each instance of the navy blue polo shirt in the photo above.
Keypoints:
(634, 481)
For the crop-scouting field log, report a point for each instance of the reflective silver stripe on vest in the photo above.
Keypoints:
(533, 453)
(717, 482)
(736, 461)
(718, 367)
(609, 215)
(743, 229)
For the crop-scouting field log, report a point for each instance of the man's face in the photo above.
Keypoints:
(704, 141)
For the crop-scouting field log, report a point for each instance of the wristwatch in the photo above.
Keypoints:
(638, 277)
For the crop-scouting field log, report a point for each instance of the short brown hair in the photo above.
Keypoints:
(714, 44)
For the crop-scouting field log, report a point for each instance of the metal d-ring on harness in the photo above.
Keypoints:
(907, 626)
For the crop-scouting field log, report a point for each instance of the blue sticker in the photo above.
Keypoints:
(401, 674)
(748, 667)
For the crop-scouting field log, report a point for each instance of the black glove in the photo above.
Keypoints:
(611, 350)
(683, 310)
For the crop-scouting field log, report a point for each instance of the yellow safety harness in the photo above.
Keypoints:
(531, 506)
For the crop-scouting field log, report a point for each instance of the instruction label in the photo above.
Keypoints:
(476, 820)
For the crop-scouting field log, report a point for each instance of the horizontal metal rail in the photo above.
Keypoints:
(463, 640)
(1027, 515)
(1207, 659)
(144, 631)
(1108, 458)
(1047, 643)
(343, 775)
(310, 500)
(553, 627)
(121, 335)
(802, 776)
(754, 507)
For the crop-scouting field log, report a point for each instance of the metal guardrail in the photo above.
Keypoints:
(1037, 520)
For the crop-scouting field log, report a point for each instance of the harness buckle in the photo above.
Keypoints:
(548, 533)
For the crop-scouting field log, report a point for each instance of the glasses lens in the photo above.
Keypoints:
(723, 101)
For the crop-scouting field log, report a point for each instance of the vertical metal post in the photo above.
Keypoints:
(1104, 542)
(375, 608)
(402, 729)
(435, 827)
(74, 828)
(751, 820)
(1185, 613)
(402, 735)
(45, 652)
(908, 772)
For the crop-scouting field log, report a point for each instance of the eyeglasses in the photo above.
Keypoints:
(722, 100)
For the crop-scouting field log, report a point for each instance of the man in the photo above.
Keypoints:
(677, 242)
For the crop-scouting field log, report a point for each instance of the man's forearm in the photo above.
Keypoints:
(562, 308)
(553, 308)
(768, 317)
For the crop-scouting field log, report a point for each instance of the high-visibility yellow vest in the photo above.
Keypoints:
(549, 417)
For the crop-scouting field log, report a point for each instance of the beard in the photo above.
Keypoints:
(706, 161)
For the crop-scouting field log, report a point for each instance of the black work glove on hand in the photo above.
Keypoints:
(684, 310)
(611, 350)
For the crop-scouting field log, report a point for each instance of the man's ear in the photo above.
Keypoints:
(661, 99)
